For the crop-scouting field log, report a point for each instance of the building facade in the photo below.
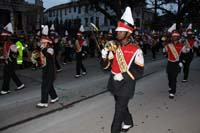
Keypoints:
(73, 14)
(25, 15)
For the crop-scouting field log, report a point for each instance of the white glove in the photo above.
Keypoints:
(42, 46)
(180, 64)
(164, 50)
(118, 77)
(104, 53)
(110, 55)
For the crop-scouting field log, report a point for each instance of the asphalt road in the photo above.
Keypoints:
(152, 110)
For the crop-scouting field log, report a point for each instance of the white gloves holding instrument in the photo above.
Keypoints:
(104, 53)
(118, 77)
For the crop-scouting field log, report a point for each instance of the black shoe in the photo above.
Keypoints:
(125, 128)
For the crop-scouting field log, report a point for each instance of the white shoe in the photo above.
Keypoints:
(54, 100)
(4, 92)
(77, 76)
(84, 73)
(20, 87)
(59, 70)
(184, 80)
(42, 105)
(171, 96)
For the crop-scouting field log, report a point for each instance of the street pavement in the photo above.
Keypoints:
(84, 102)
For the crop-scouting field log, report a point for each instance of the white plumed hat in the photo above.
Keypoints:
(126, 23)
(8, 30)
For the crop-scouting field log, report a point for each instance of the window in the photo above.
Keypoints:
(86, 9)
(74, 9)
(97, 21)
(50, 13)
(70, 10)
(86, 21)
(105, 21)
(60, 12)
(79, 9)
(65, 11)
(91, 19)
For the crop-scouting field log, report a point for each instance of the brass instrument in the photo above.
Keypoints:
(111, 46)
(38, 58)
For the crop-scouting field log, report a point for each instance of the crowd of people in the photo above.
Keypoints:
(121, 53)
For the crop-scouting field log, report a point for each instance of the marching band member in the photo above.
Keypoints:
(154, 47)
(174, 50)
(79, 42)
(10, 55)
(48, 70)
(66, 41)
(188, 57)
(127, 66)
(56, 46)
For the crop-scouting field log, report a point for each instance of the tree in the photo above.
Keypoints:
(117, 6)
(183, 8)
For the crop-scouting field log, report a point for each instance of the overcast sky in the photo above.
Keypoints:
(50, 3)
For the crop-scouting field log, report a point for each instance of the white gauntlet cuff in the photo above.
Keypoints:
(118, 77)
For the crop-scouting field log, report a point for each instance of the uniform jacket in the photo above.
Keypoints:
(135, 62)
(49, 72)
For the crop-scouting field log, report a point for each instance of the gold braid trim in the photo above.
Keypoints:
(187, 44)
(122, 63)
(173, 50)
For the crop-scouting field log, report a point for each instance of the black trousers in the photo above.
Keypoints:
(68, 54)
(9, 73)
(47, 89)
(153, 50)
(121, 115)
(79, 64)
(172, 70)
(186, 68)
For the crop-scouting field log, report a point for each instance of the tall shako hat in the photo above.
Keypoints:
(189, 30)
(66, 33)
(126, 23)
(7, 30)
(45, 32)
(110, 33)
(81, 31)
(173, 30)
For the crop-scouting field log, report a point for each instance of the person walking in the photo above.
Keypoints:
(173, 50)
(191, 43)
(127, 66)
(10, 55)
(78, 49)
(48, 70)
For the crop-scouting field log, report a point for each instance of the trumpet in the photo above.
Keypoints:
(111, 45)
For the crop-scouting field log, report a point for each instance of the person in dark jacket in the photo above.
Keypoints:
(127, 66)
(48, 71)
(10, 54)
